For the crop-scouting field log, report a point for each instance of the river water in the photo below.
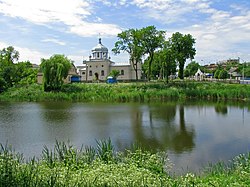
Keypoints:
(192, 134)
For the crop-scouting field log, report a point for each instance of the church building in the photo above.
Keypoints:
(100, 65)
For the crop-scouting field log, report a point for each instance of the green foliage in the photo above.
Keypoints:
(152, 39)
(183, 48)
(114, 73)
(69, 166)
(217, 73)
(131, 92)
(14, 74)
(223, 74)
(246, 69)
(163, 64)
(130, 41)
(55, 69)
(191, 69)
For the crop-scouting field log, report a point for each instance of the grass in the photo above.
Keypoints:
(102, 166)
(132, 92)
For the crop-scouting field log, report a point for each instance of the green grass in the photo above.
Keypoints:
(132, 92)
(102, 166)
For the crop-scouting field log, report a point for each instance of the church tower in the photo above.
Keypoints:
(99, 52)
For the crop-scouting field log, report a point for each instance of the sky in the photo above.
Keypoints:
(41, 28)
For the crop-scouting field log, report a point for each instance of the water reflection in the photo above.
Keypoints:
(221, 109)
(156, 127)
(193, 134)
(57, 112)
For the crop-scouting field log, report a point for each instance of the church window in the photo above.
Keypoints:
(98, 55)
(122, 72)
(102, 73)
(90, 73)
(83, 73)
(102, 65)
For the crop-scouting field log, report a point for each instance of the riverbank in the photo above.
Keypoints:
(102, 166)
(131, 92)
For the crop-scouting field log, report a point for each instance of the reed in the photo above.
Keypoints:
(132, 92)
(101, 166)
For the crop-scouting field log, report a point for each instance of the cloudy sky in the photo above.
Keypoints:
(41, 28)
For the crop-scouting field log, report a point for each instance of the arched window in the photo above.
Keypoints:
(102, 73)
(122, 72)
(90, 73)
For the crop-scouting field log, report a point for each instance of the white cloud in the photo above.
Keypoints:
(72, 13)
(218, 33)
(170, 11)
(26, 54)
(53, 40)
(93, 29)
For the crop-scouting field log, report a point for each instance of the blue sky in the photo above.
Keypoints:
(41, 28)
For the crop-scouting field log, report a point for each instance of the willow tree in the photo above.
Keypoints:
(130, 41)
(55, 69)
(182, 47)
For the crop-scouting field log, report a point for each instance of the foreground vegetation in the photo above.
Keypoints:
(102, 166)
(131, 92)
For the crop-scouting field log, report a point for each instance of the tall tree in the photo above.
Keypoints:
(7, 68)
(9, 55)
(183, 49)
(152, 40)
(130, 41)
(55, 69)
(169, 61)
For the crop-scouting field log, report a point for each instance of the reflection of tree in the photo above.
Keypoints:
(155, 129)
(221, 109)
(57, 112)
(184, 138)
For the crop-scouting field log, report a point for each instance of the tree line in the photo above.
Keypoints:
(14, 74)
(165, 54)
(138, 43)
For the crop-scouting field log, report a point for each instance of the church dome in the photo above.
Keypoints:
(100, 47)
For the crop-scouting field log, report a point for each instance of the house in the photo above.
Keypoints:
(99, 65)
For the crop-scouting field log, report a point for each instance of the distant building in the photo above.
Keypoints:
(99, 66)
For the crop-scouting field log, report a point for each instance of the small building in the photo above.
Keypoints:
(99, 65)
(199, 75)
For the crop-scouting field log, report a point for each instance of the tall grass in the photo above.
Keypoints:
(102, 166)
(131, 92)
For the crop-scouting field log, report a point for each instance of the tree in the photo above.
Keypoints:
(130, 41)
(114, 73)
(170, 64)
(163, 64)
(223, 74)
(7, 68)
(217, 73)
(8, 55)
(191, 69)
(25, 74)
(183, 48)
(55, 69)
(152, 39)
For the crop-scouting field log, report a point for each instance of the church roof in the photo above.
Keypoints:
(100, 47)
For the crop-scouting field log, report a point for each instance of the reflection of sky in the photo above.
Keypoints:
(215, 136)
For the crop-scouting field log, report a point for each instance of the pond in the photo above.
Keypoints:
(192, 134)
